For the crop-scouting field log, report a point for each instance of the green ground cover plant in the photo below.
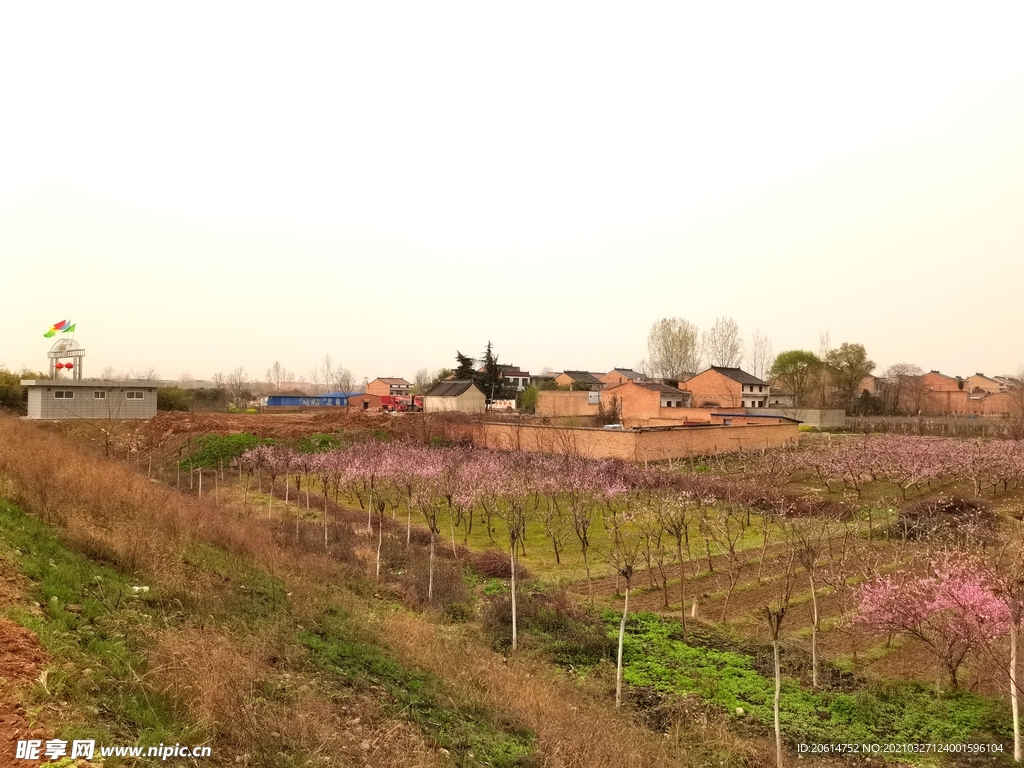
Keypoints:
(92, 623)
(469, 733)
(215, 451)
(889, 712)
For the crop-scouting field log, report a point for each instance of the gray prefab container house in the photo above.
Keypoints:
(90, 399)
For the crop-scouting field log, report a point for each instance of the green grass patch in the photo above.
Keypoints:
(322, 442)
(214, 451)
(98, 653)
(875, 713)
(471, 734)
(257, 594)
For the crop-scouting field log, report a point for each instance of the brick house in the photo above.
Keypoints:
(644, 401)
(618, 376)
(943, 394)
(454, 395)
(578, 380)
(384, 387)
(365, 402)
(721, 387)
(980, 383)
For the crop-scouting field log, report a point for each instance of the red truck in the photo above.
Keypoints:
(401, 403)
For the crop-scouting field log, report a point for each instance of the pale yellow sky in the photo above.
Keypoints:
(202, 186)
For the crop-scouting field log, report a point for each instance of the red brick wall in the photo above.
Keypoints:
(628, 445)
(712, 387)
(554, 404)
(372, 402)
(636, 401)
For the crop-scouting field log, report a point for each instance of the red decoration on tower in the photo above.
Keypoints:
(69, 366)
(58, 366)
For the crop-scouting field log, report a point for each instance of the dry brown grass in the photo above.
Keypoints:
(253, 698)
(255, 691)
(571, 730)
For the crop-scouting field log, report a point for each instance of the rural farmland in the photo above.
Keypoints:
(293, 590)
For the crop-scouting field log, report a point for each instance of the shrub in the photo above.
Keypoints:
(495, 564)
(948, 519)
(173, 399)
(553, 623)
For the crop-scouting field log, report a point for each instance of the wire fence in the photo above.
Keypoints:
(938, 426)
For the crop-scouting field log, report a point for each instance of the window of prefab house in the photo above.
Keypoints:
(64, 394)
(135, 394)
(99, 395)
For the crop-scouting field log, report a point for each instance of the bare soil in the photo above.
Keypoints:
(21, 658)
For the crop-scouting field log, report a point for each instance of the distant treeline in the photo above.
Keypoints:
(179, 399)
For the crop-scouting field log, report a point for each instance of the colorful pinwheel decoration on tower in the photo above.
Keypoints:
(62, 327)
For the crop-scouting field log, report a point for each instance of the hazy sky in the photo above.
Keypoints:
(201, 186)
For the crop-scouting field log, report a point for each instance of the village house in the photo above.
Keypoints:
(513, 375)
(980, 383)
(640, 402)
(390, 386)
(618, 376)
(455, 396)
(575, 380)
(90, 399)
(942, 394)
(721, 387)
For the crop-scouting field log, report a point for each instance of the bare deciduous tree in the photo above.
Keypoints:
(899, 380)
(237, 382)
(722, 343)
(673, 349)
(759, 355)
(277, 376)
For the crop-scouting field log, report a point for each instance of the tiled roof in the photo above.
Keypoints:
(738, 375)
(665, 389)
(583, 377)
(629, 373)
(452, 388)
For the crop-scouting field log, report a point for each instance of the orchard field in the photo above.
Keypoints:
(875, 580)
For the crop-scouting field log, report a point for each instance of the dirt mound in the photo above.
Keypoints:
(20, 660)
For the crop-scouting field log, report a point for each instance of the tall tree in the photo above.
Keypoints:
(775, 612)
(465, 369)
(795, 370)
(759, 355)
(722, 343)
(673, 348)
(490, 379)
(849, 364)
(899, 380)
(237, 385)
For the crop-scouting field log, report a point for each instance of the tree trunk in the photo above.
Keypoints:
(380, 543)
(1014, 693)
(778, 700)
(622, 635)
(682, 590)
(451, 522)
(814, 633)
(515, 628)
(590, 584)
(325, 523)
(430, 578)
